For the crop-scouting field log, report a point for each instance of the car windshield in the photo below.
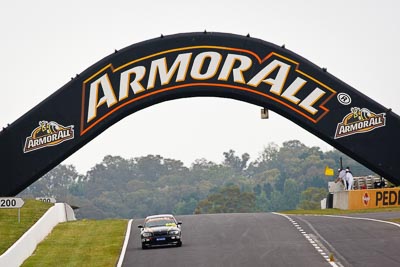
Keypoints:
(156, 222)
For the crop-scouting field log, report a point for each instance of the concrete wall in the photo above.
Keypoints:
(367, 199)
(341, 200)
(335, 187)
(26, 245)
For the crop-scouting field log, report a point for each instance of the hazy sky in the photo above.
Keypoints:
(45, 43)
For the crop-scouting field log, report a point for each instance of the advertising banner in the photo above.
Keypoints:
(198, 65)
(374, 198)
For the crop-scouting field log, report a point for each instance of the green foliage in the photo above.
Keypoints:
(137, 187)
(311, 198)
(290, 194)
(228, 200)
(185, 207)
(56, 183)
(236, 163)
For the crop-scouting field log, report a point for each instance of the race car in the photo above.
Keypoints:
(159, 230)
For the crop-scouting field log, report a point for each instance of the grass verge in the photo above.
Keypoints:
(11, 230)
(81, 243)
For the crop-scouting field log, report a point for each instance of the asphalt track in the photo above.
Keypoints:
(262, 239)
(267, 239)
(357, 240)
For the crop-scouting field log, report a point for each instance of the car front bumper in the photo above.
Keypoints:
(161, 240)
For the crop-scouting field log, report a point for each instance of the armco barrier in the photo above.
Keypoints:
(26, 245)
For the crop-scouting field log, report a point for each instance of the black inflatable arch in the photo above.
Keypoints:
(190, 65)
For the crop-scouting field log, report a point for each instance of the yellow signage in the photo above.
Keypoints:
(374, 198)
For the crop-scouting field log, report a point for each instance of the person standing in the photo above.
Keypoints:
(342, 177)
(349, 179)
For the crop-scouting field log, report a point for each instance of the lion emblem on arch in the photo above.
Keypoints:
(362, 114)
(47, 127)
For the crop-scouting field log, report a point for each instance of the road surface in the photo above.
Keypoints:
(270, 239)
(357, 240)
(260, 239)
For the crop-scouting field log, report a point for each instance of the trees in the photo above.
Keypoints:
(185, 207)
(290, 194)
(236, 163)
(311, 198)
(228, 200)
(56, 183)
(137, 187)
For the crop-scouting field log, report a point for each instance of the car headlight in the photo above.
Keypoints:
(173, 232)
(146, 234)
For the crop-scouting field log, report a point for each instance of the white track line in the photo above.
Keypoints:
(366, 219)
(309, 239)
(127, 235)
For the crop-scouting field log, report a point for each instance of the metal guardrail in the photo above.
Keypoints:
(369, 182)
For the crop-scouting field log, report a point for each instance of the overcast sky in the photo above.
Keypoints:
(45, 43)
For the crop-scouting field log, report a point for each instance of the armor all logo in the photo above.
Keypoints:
(359, 120)
(48, 134)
